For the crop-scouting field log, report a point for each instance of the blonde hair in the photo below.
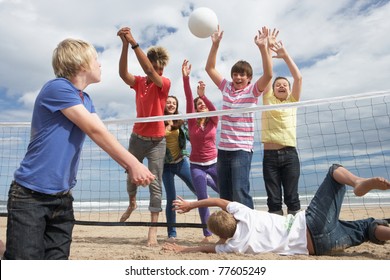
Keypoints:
(71, 56)
(222, 224)
(159, 55)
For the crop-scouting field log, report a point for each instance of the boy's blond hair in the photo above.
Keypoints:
(71, 56)
(159, 55)
(222, 224)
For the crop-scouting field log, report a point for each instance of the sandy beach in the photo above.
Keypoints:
(129, 242)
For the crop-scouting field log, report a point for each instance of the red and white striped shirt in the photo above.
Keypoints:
(237, 130)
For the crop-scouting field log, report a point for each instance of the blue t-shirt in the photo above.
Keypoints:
(51, 162)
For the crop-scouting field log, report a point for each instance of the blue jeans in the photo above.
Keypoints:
(182, 170)
(39, 226)
(154, 151)
(203, 176)
(281, 168)
(233, 169)
(329, 234)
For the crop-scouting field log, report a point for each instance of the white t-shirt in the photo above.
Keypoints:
(262, 232)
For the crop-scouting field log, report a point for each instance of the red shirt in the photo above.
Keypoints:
(150, 101)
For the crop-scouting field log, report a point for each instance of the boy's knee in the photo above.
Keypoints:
(333, 168)
(372, 228)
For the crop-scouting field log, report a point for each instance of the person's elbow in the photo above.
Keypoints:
(95, 132)
(209, 70)
(298, 79)
(268, 76)
(122, 74)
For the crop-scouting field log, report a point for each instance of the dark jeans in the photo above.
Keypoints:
(39, 226)
(281, 168)
(182, 170)
(329, 234)
(233, 169)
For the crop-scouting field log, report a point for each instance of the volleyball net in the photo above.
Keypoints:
(350, 130)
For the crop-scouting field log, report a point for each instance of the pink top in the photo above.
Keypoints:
(202, 139)
(150, 101)
(237, 130)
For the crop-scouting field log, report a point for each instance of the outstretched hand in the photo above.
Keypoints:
(272, 37)
(279, 49)
(201, 89)
(173, 247)
(181, 206)
(216, 37)
(261, 38)
(186, 68)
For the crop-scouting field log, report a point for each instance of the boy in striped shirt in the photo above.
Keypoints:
(235, 148)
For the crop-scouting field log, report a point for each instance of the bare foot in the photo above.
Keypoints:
(128, 212)
(152, 237)
(376, 183)
(206, 239)
(152, 243)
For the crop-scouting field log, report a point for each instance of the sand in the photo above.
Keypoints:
(129, 243)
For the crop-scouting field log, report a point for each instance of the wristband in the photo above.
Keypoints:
(135, 46)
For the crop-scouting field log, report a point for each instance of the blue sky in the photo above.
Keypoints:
(341, 46)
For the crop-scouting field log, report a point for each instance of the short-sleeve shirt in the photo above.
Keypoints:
(150, 101)
(51, 162)
(279, 126)
(262, 232)
(237, 130)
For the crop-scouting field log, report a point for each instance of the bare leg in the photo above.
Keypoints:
(130, 209)
(152, 235)
(361, 185)
(382, 233)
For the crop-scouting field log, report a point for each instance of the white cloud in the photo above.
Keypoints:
(342, 46)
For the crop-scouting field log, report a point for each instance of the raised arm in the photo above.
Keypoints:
(210, 106)
(261, 42)
(182, 206)
(143, 60)
(282, 53)
(212, 58)
(271, 41)
(186, 70)
(123, 72)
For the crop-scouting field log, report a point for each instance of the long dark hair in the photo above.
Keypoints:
(176, 123)
(198, 120)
